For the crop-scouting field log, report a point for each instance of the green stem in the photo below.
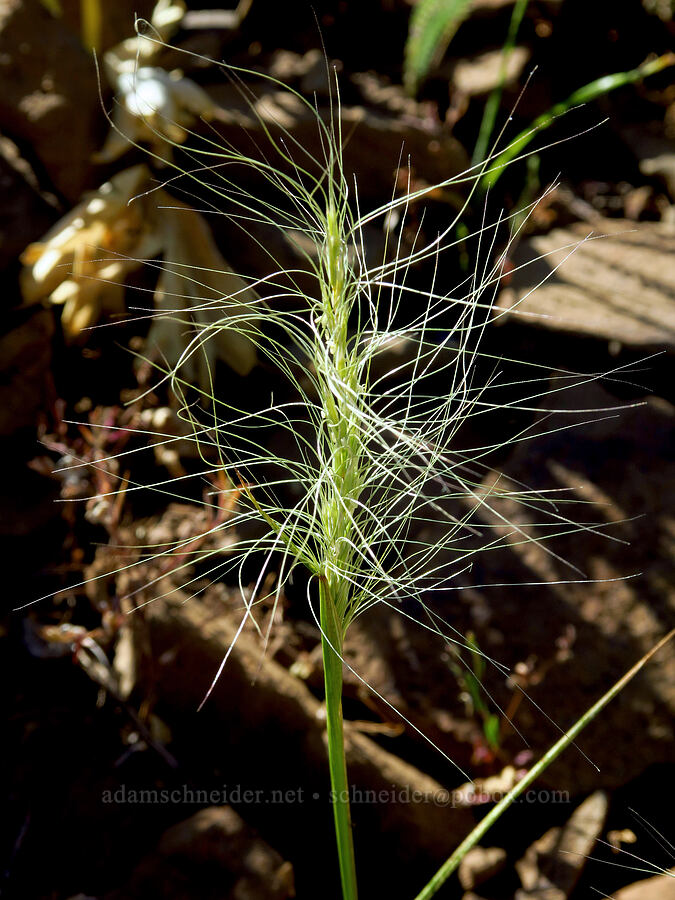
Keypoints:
(585, 94)
(453, 861)
(492, 106)
(331, 645)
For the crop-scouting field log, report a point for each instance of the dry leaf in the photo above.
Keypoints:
(82, 263)
(84, 258)
(201, 296)
(154, 106)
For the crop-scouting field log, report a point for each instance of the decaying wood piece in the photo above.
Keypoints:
(613, 281)
(261, 710)
(213, 855)
(377, 144)
(480, 864)
(660, 887)
(552, 865)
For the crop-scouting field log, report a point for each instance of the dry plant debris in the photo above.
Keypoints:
(83, 261)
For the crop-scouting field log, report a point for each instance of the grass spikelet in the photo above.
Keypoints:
(374, 457)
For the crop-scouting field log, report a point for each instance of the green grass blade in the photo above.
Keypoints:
(475, 836)
(585, 94)
(492, 106)
(433, 24)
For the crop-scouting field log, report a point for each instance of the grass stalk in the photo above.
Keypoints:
(581, 96)
(453, 861)
(480, 151)
(338, 384)
(331, 643)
